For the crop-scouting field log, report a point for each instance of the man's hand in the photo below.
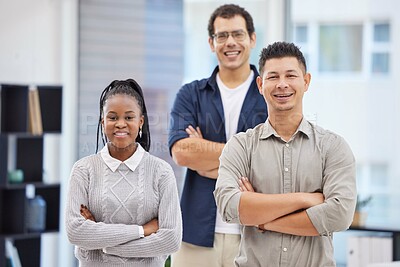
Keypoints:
(150, 227)
(245, 185)
(194, 133)
(85, 212)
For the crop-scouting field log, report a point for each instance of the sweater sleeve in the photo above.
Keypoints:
(86, 233)
(167, 239)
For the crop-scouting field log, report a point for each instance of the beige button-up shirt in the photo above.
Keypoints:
(314, 159)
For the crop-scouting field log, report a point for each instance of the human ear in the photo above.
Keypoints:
(253, 39)
(259, 84)
(307, 80)
(211, 43)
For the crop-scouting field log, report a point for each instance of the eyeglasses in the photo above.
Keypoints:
(221, 37)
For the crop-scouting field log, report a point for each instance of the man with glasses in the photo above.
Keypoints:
(205, 114)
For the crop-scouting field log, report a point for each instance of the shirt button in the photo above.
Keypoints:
(287, 145)
(286, 169)
(284, 249)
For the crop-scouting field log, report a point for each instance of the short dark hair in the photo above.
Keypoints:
(280, 50)
(131, 88)
(229, 11)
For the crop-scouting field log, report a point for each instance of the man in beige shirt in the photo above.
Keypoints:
(291, 184)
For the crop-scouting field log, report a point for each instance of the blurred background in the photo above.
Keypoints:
(84, 45)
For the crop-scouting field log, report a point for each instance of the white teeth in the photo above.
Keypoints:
(232, 53)
(121, 134)
(283, 95)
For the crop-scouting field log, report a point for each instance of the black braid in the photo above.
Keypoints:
(132, 88)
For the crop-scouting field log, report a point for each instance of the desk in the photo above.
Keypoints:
(395, 235)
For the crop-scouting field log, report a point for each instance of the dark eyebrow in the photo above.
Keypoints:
(272, 73)
(291, 71)
(127, 112)
(275, 72)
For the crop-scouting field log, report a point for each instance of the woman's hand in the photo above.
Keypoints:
(85, 212)
(150, 227)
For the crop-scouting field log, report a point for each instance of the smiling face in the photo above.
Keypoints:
(232, 54)
(283, 84)
(122, 119)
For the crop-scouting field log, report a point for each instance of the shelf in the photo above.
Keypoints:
(21, 150)
(13, 96)
(26, 153)
(28, 250)
(50, 98)
(395, 235)
(15, 120)
(13, 207)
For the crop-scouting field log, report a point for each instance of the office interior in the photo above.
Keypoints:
(351, 47)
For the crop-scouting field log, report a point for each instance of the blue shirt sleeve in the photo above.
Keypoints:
(183, 114)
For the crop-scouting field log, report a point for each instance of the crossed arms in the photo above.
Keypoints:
(197, 153)
(301, 213)
(284, 213)
(148, 228)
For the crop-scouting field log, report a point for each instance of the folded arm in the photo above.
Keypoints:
(87, 233)
(197, 153)
(149, 228)
(284, 213)
(167, 239)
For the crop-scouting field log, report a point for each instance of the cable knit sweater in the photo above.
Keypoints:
(121, 199)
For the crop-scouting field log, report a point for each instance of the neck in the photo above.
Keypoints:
(232, 78)
(285, 124)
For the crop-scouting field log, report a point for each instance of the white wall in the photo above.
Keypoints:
(38, 46)
(30, 50)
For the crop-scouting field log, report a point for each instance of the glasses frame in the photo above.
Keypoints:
(226, 35)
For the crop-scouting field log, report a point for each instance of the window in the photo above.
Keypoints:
(301, 34)
(301, 40)
(340, 48)
(380, 62)
(380, 48)
(381, 33)
(373, 180)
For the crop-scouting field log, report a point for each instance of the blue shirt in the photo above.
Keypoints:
(199, 104)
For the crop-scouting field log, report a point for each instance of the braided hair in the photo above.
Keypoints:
(128, 87)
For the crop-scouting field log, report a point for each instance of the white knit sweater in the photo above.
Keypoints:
(121, 200)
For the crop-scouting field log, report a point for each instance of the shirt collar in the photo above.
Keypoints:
(131, 162)
(305, 127)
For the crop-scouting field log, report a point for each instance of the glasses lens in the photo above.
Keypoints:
(221, 37)
(238, 35)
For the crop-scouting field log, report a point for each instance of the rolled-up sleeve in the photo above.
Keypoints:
(232, 167)
(339, 189)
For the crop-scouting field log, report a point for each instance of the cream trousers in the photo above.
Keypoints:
(226, 247)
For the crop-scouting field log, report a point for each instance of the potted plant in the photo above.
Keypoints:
(360, 215)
